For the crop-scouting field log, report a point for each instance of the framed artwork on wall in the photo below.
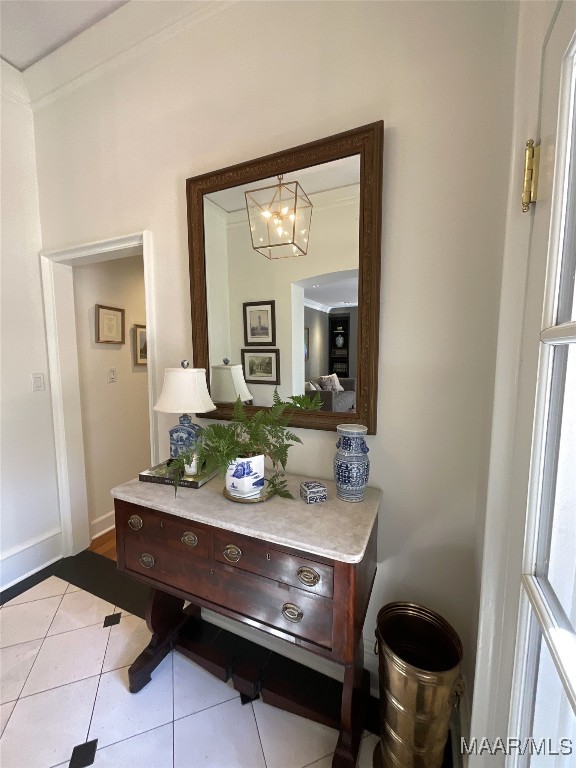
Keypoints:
(109, 325)
(140, 345)
(259, 323)
(261, 366)
(306, 344)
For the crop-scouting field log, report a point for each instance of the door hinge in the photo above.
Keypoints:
(531, 166)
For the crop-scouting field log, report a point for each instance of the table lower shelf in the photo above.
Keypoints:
(256, 672)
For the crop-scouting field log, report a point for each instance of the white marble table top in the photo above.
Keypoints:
(335, 529)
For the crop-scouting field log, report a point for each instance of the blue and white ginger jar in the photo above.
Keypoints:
(351, 462)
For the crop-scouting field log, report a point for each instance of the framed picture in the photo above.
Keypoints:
(259, 323)
(109, 325)
(306, 344)
(140, 346)
(261, 366)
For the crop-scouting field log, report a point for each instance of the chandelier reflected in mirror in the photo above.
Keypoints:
(279, 218)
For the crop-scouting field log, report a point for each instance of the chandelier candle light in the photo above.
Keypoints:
(184, 391)
(279, 218)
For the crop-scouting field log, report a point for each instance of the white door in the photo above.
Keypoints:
(543, 707)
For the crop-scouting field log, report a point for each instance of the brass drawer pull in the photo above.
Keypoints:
(135, 522)
(147, 560)
(308, 576)
(292, 612)
(232, 553)
(189, 538)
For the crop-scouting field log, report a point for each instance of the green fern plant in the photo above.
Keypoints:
(263, 432)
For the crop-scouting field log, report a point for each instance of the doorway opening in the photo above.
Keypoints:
(63, 359)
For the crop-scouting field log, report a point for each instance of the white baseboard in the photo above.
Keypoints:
(101, 525)
(30, 557)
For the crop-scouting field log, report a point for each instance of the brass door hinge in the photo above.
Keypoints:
(531, 166)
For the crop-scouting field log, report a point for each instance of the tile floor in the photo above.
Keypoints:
(63, 683)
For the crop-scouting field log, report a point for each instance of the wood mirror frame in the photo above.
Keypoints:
(367, 143)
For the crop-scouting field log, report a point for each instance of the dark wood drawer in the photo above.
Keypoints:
(145, 525)
(250, 555)
(290, 610)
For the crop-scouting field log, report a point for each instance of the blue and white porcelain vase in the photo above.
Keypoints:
(245, 477)
(351, 462)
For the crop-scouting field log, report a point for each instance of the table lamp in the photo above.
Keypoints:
(227, 383)
(184, 391)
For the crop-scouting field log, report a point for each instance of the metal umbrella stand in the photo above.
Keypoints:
(419, 657)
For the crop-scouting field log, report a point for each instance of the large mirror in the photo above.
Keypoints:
(298, 315)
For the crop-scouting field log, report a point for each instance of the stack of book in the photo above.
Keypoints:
(162, 473)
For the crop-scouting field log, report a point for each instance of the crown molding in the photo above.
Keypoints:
(339, 197)
(13, 86)
(123, 35)
(327, 308)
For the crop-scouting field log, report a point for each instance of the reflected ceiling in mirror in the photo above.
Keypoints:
(290, 321)
(307, 289)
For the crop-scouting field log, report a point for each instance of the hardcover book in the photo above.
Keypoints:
(161, 473)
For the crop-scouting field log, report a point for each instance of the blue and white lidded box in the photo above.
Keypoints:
(313, 492)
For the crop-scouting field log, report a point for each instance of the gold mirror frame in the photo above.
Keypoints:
(367, 142)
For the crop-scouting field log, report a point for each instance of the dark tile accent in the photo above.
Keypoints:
(109, 621)
(95, 574)
(28, 583)
(83, 754)
(99, 575)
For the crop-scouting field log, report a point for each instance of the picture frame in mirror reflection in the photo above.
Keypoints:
(261, 366)
(109, 325)
(140, 345)
(259, 323)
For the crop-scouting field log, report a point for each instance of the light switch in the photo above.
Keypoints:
(38, 382)
(112, 376)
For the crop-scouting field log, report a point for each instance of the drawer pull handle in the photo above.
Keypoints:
(308, 576)
(292, 612)
(189, 538)
(135, 522)
(147, 560)
(232, 553)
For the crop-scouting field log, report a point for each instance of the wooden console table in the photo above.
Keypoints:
(301, 572)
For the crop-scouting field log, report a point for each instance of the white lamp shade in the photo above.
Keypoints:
(227, 384)
(184, 391)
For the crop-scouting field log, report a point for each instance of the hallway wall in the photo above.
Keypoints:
(115, 420)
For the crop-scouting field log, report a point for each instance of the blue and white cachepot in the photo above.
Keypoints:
(351, 463)
(245, 476)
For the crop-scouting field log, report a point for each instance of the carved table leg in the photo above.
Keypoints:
(164, 618)
(354, 697)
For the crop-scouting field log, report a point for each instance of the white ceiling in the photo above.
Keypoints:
(323, 292)
(317, 178)
(31, 29)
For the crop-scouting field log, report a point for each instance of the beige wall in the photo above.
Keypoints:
(30, 520)
(115, 420)
(317, 323)
(116, 144)
(252, 277)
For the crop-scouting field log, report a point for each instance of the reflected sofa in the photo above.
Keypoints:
(337, 401)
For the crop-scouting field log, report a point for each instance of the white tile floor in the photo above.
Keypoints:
(63, 681)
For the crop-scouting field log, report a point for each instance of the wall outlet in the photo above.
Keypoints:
(38, 382)
(112, 376)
